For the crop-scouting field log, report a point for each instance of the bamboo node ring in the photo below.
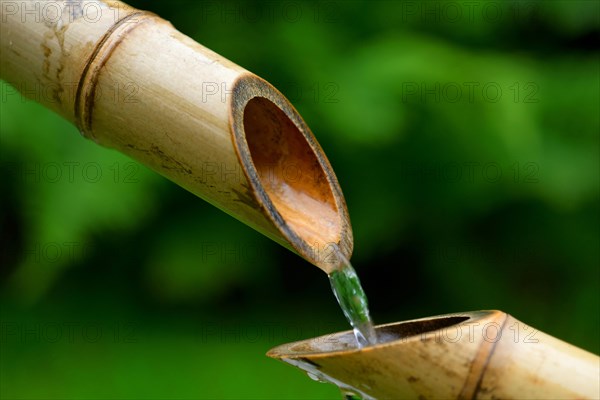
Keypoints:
(86, 88)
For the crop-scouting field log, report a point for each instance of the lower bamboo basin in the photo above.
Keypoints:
(474, 355)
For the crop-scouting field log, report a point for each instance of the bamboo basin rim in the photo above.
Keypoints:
(343, 343)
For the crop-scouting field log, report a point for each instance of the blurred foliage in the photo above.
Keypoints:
(467, 146)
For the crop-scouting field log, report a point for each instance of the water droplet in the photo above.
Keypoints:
(350, 395)
(315, 377)
(316, 374)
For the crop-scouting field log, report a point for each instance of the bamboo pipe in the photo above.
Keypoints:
(472, 355)
(130, 81)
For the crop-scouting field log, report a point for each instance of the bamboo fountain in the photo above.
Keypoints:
(191, 111)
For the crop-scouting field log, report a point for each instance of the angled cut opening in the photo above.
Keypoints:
(345, 341)
(291, 173)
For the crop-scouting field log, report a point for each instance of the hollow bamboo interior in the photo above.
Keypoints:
(130, 81)
(472, 355)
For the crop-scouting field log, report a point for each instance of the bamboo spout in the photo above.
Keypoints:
(472, 355)
(131, 81)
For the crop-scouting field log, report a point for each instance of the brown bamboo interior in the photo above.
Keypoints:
(291, 174)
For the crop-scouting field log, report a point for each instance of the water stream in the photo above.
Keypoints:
(353, 301)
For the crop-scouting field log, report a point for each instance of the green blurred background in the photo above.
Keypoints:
(465, 136)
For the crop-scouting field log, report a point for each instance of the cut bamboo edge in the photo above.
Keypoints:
(471, 355)
(130, 81)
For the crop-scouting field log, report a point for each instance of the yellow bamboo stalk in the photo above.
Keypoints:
(131, 81)
(472, 355)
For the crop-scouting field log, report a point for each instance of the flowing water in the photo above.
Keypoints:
(353, 301)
